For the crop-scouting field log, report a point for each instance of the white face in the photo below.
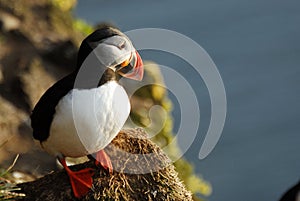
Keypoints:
(118, 54)
(114, 50)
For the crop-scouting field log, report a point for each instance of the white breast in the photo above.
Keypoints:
(87, 120)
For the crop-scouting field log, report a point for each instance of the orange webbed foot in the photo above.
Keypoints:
(81, 181)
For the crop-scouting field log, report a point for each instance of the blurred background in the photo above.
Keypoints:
(256, 47)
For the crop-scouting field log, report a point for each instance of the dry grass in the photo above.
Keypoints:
(7, 188)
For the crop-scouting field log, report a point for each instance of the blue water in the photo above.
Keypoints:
(256, 47)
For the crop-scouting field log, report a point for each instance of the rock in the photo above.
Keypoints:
(38, 45)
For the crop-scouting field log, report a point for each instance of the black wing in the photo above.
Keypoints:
(43, 112)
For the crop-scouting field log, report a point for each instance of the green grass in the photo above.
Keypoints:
(7, 188)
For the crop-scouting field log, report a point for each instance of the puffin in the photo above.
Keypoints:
(83, 112)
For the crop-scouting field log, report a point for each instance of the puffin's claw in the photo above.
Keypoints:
(103, 159)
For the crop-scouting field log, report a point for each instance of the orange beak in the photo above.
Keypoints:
(132, 68)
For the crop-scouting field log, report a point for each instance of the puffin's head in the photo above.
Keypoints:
(114, 50)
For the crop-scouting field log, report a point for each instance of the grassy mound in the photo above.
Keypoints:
(141, 172)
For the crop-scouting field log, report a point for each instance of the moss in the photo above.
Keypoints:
(82, 26)
(64, 5)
